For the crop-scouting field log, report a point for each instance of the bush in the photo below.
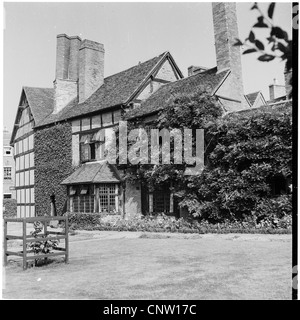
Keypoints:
(10, 206)
(83, 220)
(248, 153)
(165, 223)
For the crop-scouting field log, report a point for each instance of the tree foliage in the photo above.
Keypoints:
(245, 154)
(276, 45)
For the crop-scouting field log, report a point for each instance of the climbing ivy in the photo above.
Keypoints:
(53, 163)
(245, 154)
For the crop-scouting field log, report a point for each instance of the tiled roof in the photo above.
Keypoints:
(116, 90)
(204, 81)
(252, 97)
(280, 106)
(94, 172)
(282, 98)
(41, 102)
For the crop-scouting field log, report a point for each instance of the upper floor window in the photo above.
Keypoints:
(87, 148)
(7, 173)
(88, 152)
(7, 151)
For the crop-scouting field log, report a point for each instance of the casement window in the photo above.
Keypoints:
(161, 201)
(108, 198)
(82, 198)
(7, 173)
(87, 148)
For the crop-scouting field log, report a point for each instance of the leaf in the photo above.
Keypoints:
(238, 42)
(259, 45)
(271, 10)
(271, 39)
(260, 23)
(289, 65)
(281, 47)
(254, 6)
(266, 57)
(279, 33)
(249, 51)
(251, 37)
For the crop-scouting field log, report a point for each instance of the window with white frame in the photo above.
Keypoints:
(82, 198)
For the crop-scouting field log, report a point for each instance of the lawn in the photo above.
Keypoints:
(127, 266)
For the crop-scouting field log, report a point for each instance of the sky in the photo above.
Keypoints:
(131, 33)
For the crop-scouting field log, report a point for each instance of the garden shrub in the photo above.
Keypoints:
(83, 220)
(250, 152)
(163, 223)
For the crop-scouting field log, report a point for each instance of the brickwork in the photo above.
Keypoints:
(75, 43)
(65, 91)
(229, 56)
(91, 68)
(62, 56)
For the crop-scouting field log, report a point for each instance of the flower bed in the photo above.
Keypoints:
(162, 223)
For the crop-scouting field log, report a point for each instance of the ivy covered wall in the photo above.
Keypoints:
(53, 163)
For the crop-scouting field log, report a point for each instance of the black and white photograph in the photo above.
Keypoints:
(149, 153)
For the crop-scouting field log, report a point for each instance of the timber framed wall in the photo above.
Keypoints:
(24, 161)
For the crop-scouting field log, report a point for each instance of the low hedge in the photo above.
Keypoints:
(162, 223)
(10, 208)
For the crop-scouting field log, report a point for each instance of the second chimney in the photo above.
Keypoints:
(276, 90)
(228, 55)
(91, 68)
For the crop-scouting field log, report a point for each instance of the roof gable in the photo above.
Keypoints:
(254, 97)
(40, 102)
(118, 89)
(207, 81)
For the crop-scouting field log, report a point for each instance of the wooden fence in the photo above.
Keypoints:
(47, 235)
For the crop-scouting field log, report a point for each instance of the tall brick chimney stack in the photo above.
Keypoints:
(62, 56)
(91, 68)
(229, 56)
(66, 79)
(75, 43)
